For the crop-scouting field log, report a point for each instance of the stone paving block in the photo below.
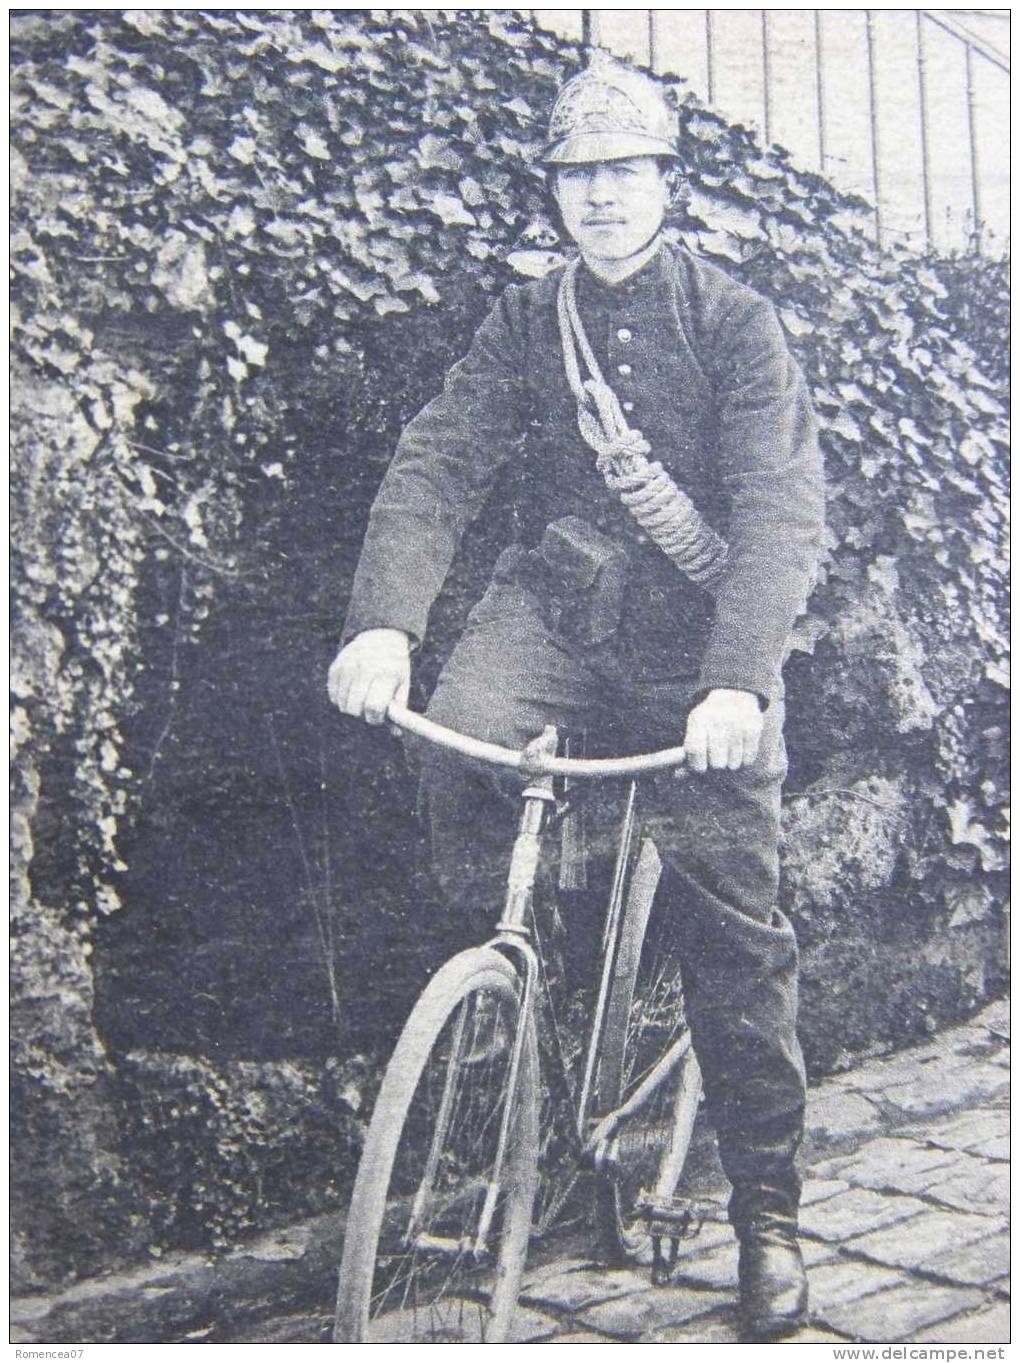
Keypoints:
(899, 1312)
(718, 1327)
(947, 1052)
(578, 1288)
(957, 1088)
(962, 1132)
(886, 1148)
(978, 1038)
(911, 1244)
(817, 1251)
(855, 1212)
(846, 1280)
(552, 1270)
(639, 1312)
(995, 1017)
(722, 1327)
(893, 1162)
(989, 1326)
(997, 1148)
(833, 1117)
(923, 1171)
(715, 1268)
(981, 1263)
(818, 1189)
(980, 1188)
(529, 1325)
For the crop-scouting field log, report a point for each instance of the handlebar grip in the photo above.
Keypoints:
(594, 768)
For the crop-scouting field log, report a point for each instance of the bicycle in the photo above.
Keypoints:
(443, 1202)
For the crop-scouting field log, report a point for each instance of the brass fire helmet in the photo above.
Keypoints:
(606, 113)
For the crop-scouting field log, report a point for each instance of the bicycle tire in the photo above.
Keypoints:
(644, 1020)
(374, 1302)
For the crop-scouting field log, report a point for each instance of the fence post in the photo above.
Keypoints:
(975, 182)
(586, 27)
(708, 55)
(653, 56)
(820, 89)
(922, 73)
(765, 73)
(873, 110)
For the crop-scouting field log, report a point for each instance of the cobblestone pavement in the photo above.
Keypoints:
(904, 1229)
(904, 1223)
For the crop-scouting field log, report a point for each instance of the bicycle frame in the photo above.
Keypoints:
(513, 935)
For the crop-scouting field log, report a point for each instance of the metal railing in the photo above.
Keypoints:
(883, 164)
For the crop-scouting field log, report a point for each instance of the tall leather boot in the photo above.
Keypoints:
(773, 1283)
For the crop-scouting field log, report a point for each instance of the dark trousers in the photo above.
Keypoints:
(509, 676)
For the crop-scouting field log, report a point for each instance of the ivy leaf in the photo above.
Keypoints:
(449, 209)
(387, 303)
(794, 323)
(313, 143)
(437, 153)
(535, 263)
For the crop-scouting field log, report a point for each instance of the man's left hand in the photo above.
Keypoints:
(723, 731)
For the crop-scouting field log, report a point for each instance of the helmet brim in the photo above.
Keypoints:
(588, 147)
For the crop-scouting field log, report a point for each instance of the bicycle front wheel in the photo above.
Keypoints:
(436, 1241)
(647, 1066)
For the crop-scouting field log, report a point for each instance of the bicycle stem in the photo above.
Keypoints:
(528, 843)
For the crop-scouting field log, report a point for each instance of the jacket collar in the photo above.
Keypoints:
(646, 292)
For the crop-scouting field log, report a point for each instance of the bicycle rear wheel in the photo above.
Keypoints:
(646, 1029)
(413, 1270)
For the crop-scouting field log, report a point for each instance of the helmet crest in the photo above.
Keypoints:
(607, 112)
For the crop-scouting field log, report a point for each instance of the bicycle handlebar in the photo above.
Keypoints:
(526, 760)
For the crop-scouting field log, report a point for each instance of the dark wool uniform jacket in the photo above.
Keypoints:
(700, 365)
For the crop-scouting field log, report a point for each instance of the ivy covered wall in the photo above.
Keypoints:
(246, 247)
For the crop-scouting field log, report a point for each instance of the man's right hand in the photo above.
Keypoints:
(369, 672)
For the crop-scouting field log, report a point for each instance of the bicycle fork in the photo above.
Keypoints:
(513, 935)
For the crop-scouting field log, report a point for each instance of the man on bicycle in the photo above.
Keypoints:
(666, 500)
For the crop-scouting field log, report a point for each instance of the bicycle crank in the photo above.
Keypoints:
(668, 1220)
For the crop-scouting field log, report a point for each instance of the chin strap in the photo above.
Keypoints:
(660, 507)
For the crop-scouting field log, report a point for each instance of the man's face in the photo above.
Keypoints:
(612, 208)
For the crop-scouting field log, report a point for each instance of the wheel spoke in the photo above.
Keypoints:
(424, 1281)
(647, 1023)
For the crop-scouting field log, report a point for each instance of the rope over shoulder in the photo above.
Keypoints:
(660, 507)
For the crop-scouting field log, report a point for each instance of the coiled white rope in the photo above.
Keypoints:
(660, 507)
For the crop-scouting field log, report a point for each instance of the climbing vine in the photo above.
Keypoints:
(222, 216)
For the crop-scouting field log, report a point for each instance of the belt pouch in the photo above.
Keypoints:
(587, 572)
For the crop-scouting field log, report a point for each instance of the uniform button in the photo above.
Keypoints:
(627, 406)
(624, 369)
(624, 334)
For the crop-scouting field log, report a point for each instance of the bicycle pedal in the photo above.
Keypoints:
(673, 1218)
